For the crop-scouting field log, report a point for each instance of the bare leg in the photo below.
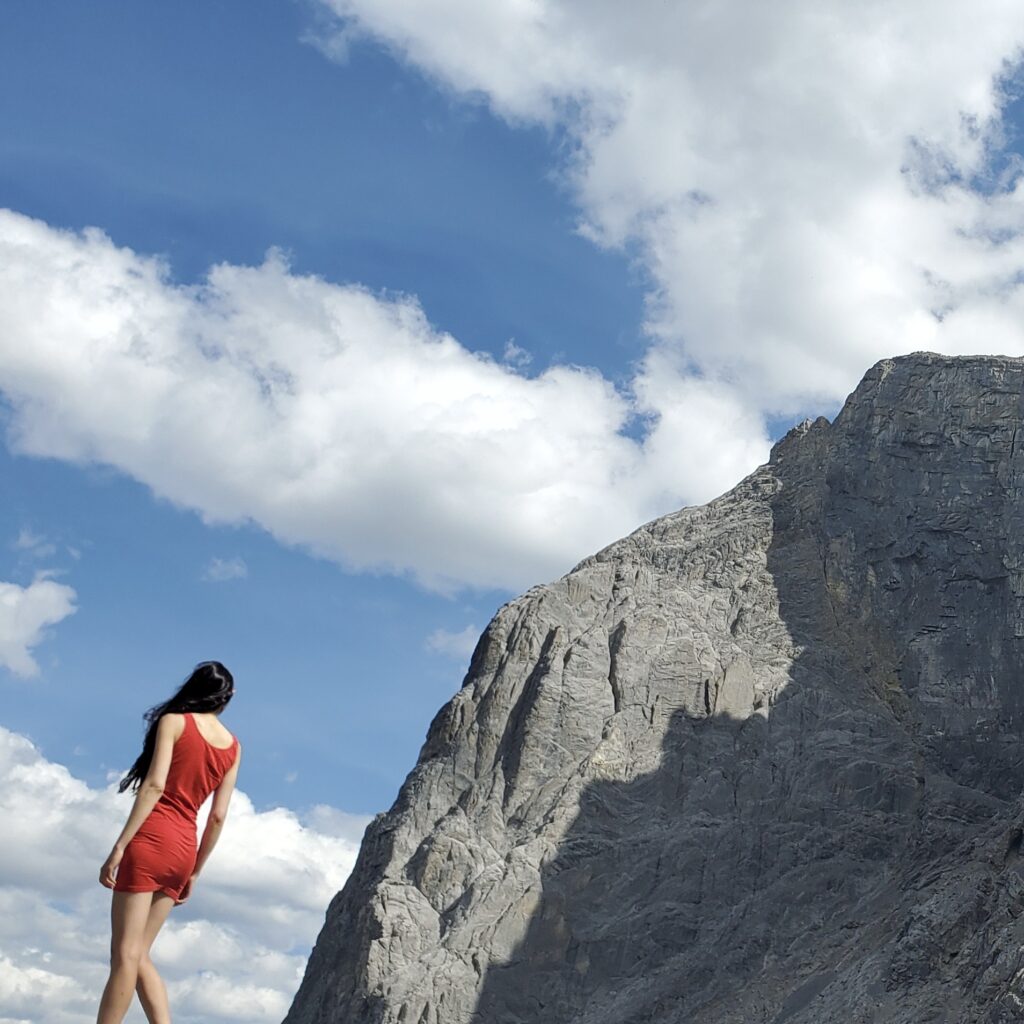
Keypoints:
(150, 986)
(129, 912)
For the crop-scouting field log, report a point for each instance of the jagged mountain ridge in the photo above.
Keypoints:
(757, 762)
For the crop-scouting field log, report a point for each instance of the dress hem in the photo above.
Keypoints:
(149, 888)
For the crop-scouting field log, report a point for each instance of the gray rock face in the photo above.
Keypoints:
(760, 761)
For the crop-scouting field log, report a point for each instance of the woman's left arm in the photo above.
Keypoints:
(168, 730)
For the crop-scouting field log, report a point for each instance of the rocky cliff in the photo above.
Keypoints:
(760, 761)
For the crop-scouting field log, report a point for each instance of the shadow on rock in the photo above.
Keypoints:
(849, 852)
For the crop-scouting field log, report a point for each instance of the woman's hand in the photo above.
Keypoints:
(108, 873)
(187, 890)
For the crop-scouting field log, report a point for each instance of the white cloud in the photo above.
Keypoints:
(336, 419)
(25, 615)
(799, 181)
(235, 951)
(458, 645)
(220, 570)
(811, 186)
(330, 821)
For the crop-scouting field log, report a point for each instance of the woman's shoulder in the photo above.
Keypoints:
(235, 747)
(172, 723)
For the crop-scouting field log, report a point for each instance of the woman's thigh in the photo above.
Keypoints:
(129, 913)
(158, 911)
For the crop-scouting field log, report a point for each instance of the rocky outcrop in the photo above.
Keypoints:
(760, 761)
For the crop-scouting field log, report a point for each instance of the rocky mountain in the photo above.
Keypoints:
(760, 761)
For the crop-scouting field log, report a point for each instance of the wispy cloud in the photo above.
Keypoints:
(33, 544)
(458, 645)
(220, 570)
(515, 355)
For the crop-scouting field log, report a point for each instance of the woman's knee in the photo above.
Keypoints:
(126, 955)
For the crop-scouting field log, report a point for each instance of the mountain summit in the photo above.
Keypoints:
(760, 761)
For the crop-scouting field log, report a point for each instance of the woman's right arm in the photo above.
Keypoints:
(215, 822)
(168, 732)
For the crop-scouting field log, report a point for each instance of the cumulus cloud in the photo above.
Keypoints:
(220, 570)
(234, 952)
(458, 645)
(336, 419)
(811, 187)
(25, 615)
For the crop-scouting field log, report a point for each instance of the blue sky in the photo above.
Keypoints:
(128, 118)
(328, 326)
(132, 118)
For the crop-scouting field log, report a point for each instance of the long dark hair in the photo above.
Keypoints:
(208, 688)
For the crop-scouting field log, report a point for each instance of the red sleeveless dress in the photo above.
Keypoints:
(162, 855)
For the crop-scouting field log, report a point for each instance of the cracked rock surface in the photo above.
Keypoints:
(760, 761)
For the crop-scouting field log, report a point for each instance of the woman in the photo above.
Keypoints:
(187, 754)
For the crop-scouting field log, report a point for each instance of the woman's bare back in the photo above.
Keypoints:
(211, 729)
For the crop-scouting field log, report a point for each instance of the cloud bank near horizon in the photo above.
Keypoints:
(235, 952)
